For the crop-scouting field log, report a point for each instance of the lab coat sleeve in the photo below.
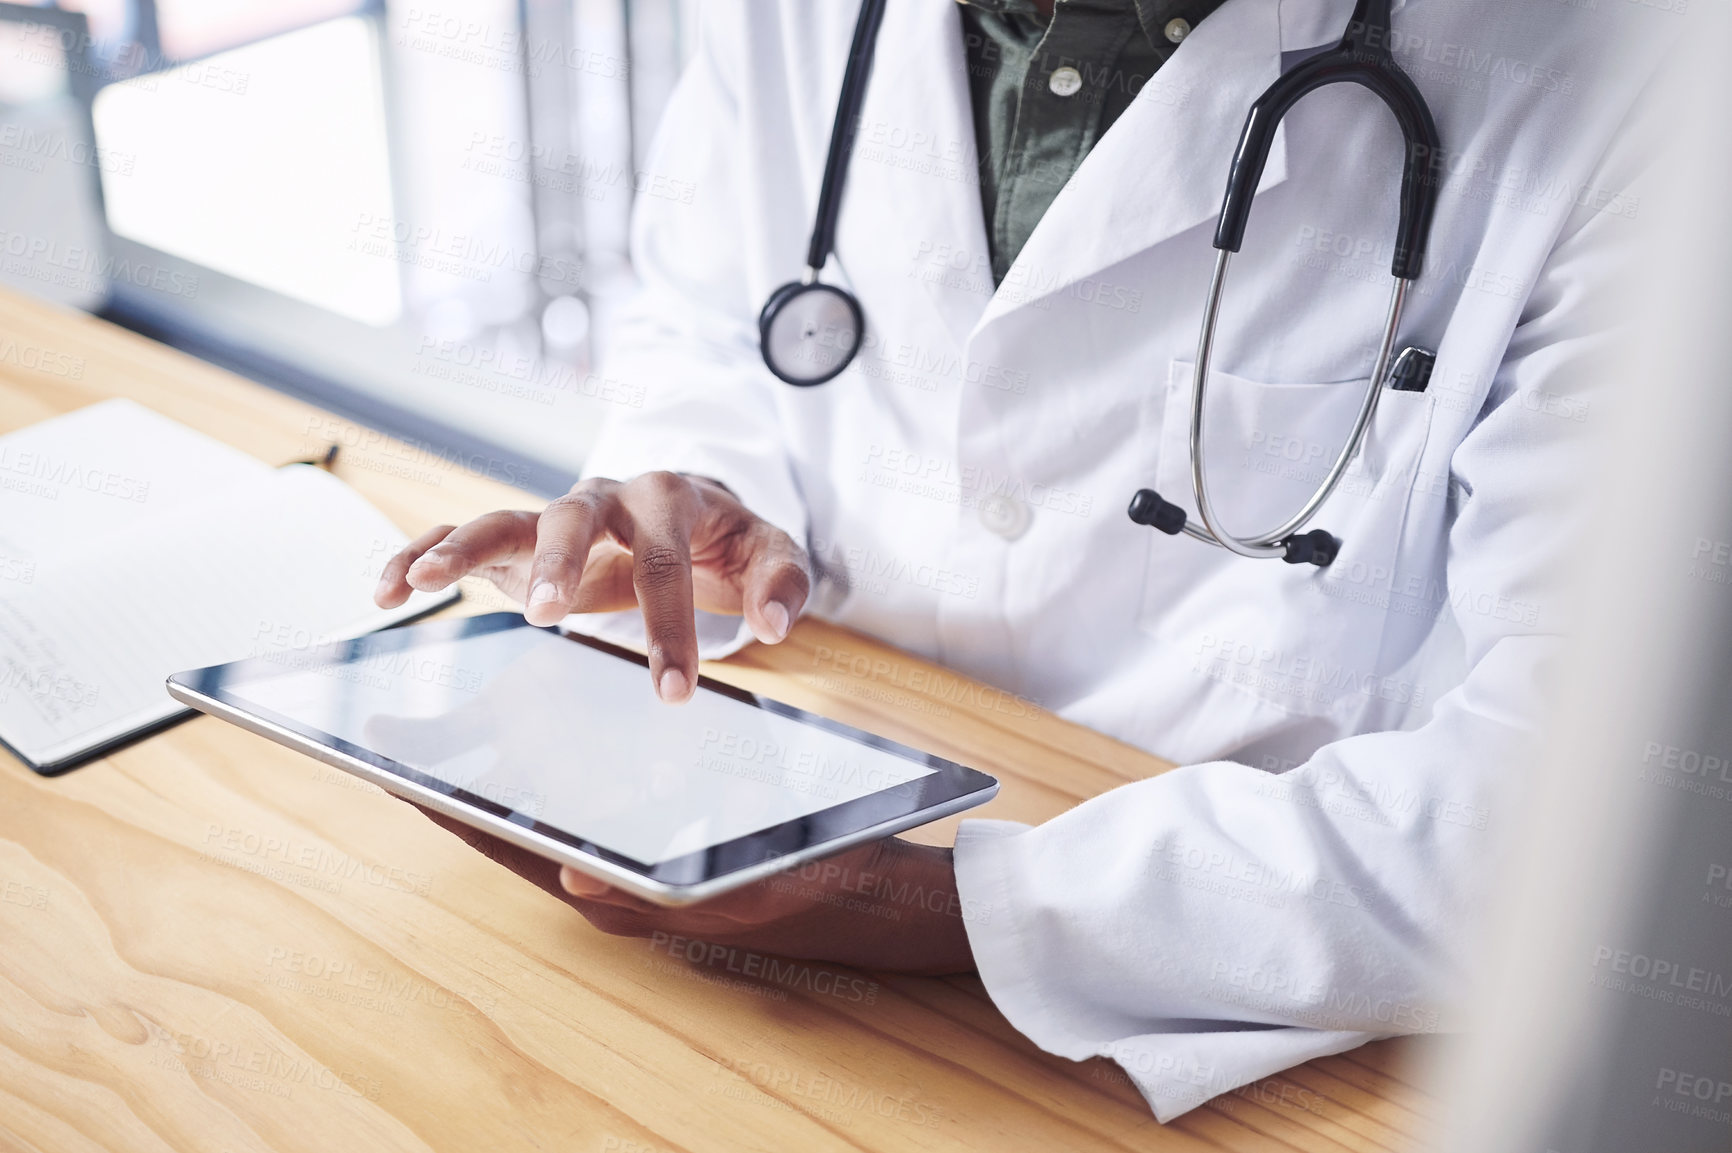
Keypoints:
(1210, 926)
(684, 362)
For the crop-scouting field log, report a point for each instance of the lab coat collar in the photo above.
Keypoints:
(1308, 24)
(914, 180)
(1159, 171)
(1162, 168)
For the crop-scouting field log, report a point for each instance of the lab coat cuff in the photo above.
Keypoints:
(1175, 1071)
(988, 860)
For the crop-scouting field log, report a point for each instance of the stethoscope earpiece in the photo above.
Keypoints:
(1317, 547)
(1147, 508)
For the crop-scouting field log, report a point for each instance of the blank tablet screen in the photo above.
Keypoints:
(575, 737)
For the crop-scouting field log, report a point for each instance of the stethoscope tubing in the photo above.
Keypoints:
(843, 132)
(1362, 57)
(1267, 544)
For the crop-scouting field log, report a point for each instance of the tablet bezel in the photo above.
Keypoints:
(697, 876)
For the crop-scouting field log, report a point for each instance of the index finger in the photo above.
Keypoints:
(393, 588)
(653, 518)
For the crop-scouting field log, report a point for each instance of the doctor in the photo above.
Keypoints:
(1027, 223)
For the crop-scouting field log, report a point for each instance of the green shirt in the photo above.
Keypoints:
(1044, 92)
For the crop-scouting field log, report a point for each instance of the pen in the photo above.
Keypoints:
(328, 461)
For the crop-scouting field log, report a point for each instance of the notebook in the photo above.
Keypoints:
(132, 547)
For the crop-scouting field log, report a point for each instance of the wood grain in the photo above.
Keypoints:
(210, 943)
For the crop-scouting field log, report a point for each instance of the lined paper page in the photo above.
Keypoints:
(67, 483)
(285, 560)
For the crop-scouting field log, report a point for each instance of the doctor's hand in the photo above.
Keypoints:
(889, 906)
(662, 542)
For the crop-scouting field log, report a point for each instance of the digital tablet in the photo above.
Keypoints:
(558, 743)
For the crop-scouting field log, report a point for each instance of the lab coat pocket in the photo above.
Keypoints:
(1302, 639)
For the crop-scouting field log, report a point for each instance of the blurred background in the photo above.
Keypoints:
(414, 214)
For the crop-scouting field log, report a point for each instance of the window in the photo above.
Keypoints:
(408, 212)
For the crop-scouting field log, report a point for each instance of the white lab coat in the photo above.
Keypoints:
(1309, 878)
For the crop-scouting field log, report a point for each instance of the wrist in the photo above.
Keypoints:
(921, 881)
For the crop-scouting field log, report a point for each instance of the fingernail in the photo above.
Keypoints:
(384, 589)
(581, 884)
(673, 685)
(542, 593)
(776, 614)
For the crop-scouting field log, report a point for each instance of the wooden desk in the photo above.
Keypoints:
(210, 943)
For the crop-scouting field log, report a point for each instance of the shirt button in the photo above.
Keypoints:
(1178, 29)
(1005, 516)
(1064, 81)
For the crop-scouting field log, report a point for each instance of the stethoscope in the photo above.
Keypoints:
(809, 331)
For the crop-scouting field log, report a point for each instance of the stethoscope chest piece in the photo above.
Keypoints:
(809, 332)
